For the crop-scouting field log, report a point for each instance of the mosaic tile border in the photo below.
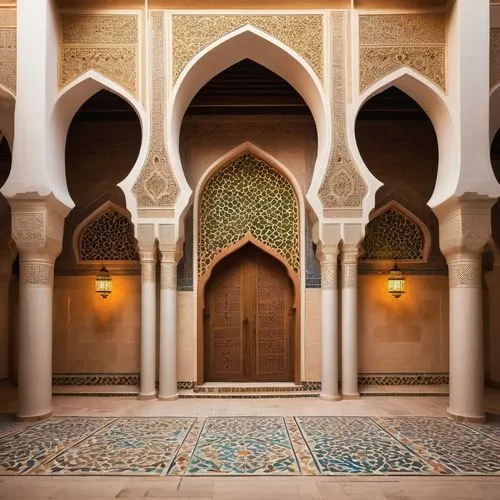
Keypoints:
(104, 379)
(249, 446)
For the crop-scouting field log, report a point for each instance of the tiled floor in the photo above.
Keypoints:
(375, 448)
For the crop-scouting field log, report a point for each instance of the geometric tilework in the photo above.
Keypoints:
(249, 446)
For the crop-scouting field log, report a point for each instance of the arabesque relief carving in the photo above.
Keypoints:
(392, 41)
(107, 43)
(343, 189)
(248, 196)
(8, 49)
(156, 188)
(302, 33)
(494, 56)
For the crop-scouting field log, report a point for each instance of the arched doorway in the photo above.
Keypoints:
(249, 319)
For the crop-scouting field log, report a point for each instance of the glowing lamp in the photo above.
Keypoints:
(396, 282)
(103, 282)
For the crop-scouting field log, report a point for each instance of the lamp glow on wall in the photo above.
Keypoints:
(396, 282)
(103, 282)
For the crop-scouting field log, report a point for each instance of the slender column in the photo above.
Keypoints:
(168, 326)
(329, 325)
(349, 260)
(466, 338)
(37, 228)
(147, 254)
(465, 226)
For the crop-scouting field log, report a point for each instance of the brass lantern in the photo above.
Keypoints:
(396, 282)
(103, 282)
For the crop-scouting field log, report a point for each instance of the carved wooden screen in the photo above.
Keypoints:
(249, 320)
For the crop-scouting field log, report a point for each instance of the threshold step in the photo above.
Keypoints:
(95, 390)
(248, 394)
(249, 387)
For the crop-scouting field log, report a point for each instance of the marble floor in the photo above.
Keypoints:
(393, 448)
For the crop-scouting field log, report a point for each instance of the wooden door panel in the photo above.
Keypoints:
(225, 345)
(273, 304)
(249, 320)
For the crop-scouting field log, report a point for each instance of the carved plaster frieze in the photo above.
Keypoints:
(107, 43)
(343, 188)
(8, 57)
(168, 275)
(494, 56)
(8, 17)
(329, 275)
(148, 270)
(465, 274)
(156, 187)
(37, 274)
(302, 33)
(392, 41)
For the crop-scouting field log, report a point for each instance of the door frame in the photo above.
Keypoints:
(200, 310)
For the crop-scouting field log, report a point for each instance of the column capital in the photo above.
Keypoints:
(146, 242)
(464, 224)
(349, 254)
(38, 226)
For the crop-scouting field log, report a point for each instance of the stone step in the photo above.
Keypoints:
(248, 395)
(252, 387)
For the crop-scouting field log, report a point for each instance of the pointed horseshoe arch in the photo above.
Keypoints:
(69, 101)
(202, 278)
(247, 42)
(435, 103)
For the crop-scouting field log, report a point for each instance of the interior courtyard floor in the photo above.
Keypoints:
(392, 448)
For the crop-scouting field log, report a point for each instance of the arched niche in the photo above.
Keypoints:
(106, 237)
(248, 198)
(394, 234)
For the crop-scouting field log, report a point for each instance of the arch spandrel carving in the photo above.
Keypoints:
(247, 196)
(392, 41)
(107, 43)
(494, 57)
(8, 54)
(302, 33)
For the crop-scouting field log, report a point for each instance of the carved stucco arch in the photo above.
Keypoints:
(82, 226)
(297, 278)
(426, 235)
(247, 42)
(67, 104)
(436, 105)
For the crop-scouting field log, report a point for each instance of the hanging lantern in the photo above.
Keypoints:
(396, 282)
(103, 282)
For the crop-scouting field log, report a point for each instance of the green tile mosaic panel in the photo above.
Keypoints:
(248, 196)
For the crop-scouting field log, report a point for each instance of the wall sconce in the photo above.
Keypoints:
(396, 282)
(103, 282)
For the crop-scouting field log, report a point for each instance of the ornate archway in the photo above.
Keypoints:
(244, 199)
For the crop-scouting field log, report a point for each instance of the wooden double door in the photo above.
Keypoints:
(249, 320)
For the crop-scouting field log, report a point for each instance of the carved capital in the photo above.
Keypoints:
(329, 275)
(148, 271)
(465, 271)
(38, 224)
(168, 277)
(36, 270)
(464, 224)
(349, 274)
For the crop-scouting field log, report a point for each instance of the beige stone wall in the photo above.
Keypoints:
(405, 335)
(290, 139)
(186, 340)
(312, 341)
(92, 334)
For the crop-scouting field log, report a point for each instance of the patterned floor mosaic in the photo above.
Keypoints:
(249, 446)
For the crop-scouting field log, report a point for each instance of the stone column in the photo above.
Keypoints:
(147, 254)
(168, 314)
(329, 324)
(349, 262)
(37, 229)
(464, 230)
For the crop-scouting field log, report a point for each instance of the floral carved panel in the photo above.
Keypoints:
(107, 43)
(494, 56)
(8, 49)
(392, 41)
(302, 33)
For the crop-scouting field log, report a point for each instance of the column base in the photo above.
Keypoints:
(34, 418)
(147, 396)
(168, 398)
(351, 396)
(461, 418)
(327, 397)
